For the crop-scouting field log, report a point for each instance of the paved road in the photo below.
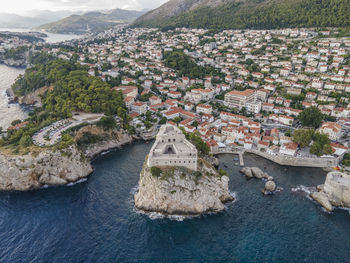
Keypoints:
(51, 134)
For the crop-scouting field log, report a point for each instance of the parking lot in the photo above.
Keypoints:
(52, 134)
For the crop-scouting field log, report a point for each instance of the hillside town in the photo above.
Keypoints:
(247, 90)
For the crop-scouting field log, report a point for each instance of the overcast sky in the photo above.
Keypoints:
(23, 6)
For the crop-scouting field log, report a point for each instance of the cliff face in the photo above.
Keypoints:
(178, 191)
(34, 98)
(334, 192)
(106, 140)
(48, 167)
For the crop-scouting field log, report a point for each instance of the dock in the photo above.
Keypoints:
(241, 160)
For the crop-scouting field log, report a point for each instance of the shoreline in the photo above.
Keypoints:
(30, 172)
(14, 66)
(293, 161)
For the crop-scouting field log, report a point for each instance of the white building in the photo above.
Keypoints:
(204, 108)
(332, 129)
(172, 149)
(238, 99)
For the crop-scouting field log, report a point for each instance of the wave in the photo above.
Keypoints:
(302, 188)
(157, 216)
(344, 208)
(134, 189)
(77, 182)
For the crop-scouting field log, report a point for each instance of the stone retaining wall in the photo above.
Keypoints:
(298, 161)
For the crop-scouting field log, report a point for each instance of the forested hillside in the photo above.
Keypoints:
(73, 89)
(257, 14)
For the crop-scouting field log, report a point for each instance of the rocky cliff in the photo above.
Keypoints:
(334, 192)
(93, 140)
(48, 167)
(57, 167)
(34, 98)
(179, 191)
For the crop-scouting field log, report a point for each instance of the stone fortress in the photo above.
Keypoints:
(172, 149)
(334, 192)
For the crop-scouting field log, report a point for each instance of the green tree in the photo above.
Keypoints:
(311, 117)
(327, 149)
(316, 148)
(107, 123)
(303, 137)
(321, 138)
(25, 141)
(222, 172)
(155, 171)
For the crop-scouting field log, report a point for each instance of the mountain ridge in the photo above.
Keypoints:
(241, 14)
(93, 21)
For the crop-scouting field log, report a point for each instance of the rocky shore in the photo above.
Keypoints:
(180, 191)
(112, 140)
(50, 167)
(19, 63)
(36, 169)
(335, 192)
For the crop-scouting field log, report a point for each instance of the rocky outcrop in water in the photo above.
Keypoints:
(270, 186)
(47, 167)
(180, 191)
(255, 172)
(334, 192)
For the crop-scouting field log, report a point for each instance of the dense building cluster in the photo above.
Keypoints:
(260, 81)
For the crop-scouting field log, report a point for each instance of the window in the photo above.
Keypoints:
(174, 140)
(169, 140)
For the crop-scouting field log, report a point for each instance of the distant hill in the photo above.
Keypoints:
(34, 19)
(256, 14)
(92, 21)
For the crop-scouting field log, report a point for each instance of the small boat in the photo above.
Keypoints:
(225, 165)
(236, 164)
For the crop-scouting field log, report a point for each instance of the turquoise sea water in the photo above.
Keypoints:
(95, 221)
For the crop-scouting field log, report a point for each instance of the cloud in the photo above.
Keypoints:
(104, 4)
(20, 6)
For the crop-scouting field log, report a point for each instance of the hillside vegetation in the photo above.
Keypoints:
(255, 14)
(91, 21)
(73, 89)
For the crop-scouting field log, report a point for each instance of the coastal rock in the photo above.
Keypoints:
(320, 187)
(337, 188)
(257, 172)
(47, 167)
(334, 192)
(34, 98)
(110, 140)
(254, 172)
(270, 186)
(322, 199)
(247, 172)
(180, 191)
